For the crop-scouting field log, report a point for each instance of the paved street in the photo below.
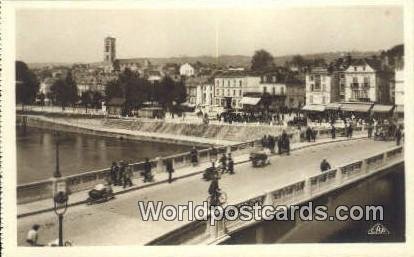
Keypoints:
(118, 221)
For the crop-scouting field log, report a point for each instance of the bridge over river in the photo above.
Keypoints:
(118, 222)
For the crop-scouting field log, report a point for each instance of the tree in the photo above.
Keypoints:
(27, 84)
(64, 91)
(72, 89)
(86, 99)
(298, 60)
(262, 61)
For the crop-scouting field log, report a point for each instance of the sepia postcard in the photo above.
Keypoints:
(207, 128)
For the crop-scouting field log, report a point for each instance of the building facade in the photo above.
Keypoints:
(229, 89)
(322, 87)
(365, 81)
(399, 87)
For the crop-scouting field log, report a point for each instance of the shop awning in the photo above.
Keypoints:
(382, 108)
(250, 100)
(333, 106)
(356, 107)
(314, 107)
(399, 109)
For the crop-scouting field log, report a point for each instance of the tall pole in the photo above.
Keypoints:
(60, 229)
(57, 170)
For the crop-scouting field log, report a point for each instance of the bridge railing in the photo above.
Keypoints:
(301, 191)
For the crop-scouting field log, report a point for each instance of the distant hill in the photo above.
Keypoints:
(228, 60)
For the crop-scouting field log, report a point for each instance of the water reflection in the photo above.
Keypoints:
(78, 152)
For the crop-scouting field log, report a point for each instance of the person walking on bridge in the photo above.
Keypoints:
(230, 165)
(170, 169)
(147, 171)
(223, 163)
(114, 173)
(325, 166)
(33, 235)
(194, 156)
(370, 128)
(398, 135)
(127, 176)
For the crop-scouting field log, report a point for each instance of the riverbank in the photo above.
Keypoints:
(155, 130)
(109, 128)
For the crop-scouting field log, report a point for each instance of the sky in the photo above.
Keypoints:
(77, 35)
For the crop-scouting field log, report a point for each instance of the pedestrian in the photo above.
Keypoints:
(308, 134)
(127, 175)
(214, 191)
(213, 154)
(121, 172)
(370, 129)
(114, 173)
(147, 171)
(33, 235)
(230, 165)
(194, 156)
(272, 143)
(313, 134)
(170, 170)
(350, 130)
(333, 132)
(223, 163)
(325, 165)
(398, 135)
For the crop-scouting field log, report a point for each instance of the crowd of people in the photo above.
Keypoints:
(120, 174)
(282, 142)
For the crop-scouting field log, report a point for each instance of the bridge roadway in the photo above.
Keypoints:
(118, 222)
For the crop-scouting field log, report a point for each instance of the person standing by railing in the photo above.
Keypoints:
(194, 156)
(127, 176)
(147, 171)
(114, 173)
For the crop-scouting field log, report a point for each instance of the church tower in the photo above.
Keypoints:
(109, 50)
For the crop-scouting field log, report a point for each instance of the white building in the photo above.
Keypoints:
(186, 70)
(399, 87)
(365, 81)
(204, 94)
(321, 88)
(229, 88)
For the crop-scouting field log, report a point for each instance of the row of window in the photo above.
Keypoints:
(282, 90)
(228, 92)
(229, 84)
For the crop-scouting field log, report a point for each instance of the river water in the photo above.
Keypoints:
(78, 152)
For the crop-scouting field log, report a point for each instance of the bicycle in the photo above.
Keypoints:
(222, 198)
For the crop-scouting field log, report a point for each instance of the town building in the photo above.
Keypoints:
(322, 87)
(187, 70)
(366, 80)
(230, 87)
(399, 91)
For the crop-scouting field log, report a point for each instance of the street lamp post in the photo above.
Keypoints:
(60, 195)
(57, 174)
